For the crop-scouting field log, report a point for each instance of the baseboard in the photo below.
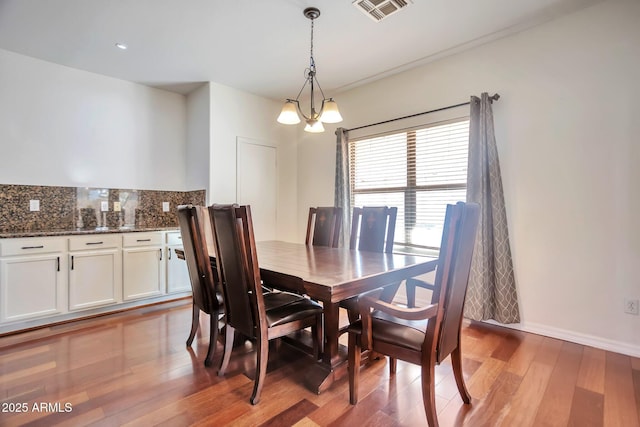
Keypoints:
(575, 337)
(545, 330)
(22, 326)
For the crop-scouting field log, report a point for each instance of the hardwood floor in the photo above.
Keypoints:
(133, 368)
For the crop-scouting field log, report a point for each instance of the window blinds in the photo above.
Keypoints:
(419, 171)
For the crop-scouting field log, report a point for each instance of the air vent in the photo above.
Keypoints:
(380, 9)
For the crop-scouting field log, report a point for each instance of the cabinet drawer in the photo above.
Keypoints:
(142, 239)
(31, 245)
(94, 241)
(174, 238)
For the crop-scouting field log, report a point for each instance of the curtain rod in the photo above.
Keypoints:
(492, 98)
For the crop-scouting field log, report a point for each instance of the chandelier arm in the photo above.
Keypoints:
(298, 97)
(300, 110)
(302, 88)
(312, 105)
(321, 109)
(319, 87)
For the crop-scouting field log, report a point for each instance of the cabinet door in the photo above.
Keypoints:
(31, 286)
(142, 272)
(95, 278)
(177, 272)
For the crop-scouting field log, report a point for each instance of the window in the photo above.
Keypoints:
(418, 170)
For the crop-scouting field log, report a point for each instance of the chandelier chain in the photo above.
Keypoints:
(313, 62)
(312, 65)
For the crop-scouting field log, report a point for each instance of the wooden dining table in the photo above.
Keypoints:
(332, 275)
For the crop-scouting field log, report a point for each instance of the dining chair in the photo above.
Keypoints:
(411, 285)
(204, 280)
(372, 229)
(422, 336)
(323, 226)
(256, 316)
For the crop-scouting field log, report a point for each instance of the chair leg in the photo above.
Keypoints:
(261, 369)
(195, 322)
(393, 364)
(213, 337)
(277, 344)
(318, 340)
(411, 294)
(353, 315)
(456, 363)
(354, 367)
(228, 348)
(429, 393)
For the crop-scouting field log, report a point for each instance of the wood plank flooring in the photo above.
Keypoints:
(133, 368)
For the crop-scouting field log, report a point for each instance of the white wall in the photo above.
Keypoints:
(235, 113)
(198, 138)
(67, 127)
(316, 171)
(567, 131)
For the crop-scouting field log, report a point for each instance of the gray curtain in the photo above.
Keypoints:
(492, 287)
(342, 191)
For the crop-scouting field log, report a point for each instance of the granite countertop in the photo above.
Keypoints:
(81, 231)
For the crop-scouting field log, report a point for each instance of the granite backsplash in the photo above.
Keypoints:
(69, 208)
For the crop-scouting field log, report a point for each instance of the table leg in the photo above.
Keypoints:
(324, 373)
(331, 327)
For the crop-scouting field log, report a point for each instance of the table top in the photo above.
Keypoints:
(334, 274)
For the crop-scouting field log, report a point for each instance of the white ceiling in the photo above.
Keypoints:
(260, 46)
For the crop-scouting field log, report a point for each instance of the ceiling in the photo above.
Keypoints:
(260, 46)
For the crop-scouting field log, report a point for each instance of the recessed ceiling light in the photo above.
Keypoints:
(121, 46)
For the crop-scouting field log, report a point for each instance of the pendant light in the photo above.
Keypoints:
(328, 112)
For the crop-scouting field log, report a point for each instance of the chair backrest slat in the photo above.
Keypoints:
(323, 226)
(373, 228)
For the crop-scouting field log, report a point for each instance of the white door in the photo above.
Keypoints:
(256, 185)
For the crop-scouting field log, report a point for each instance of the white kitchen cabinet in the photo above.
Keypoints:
(60, 278)
(95, 271)
(32, 278)
(177, 273)
(142, 265)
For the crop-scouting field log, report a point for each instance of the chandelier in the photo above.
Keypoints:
(328, 113)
